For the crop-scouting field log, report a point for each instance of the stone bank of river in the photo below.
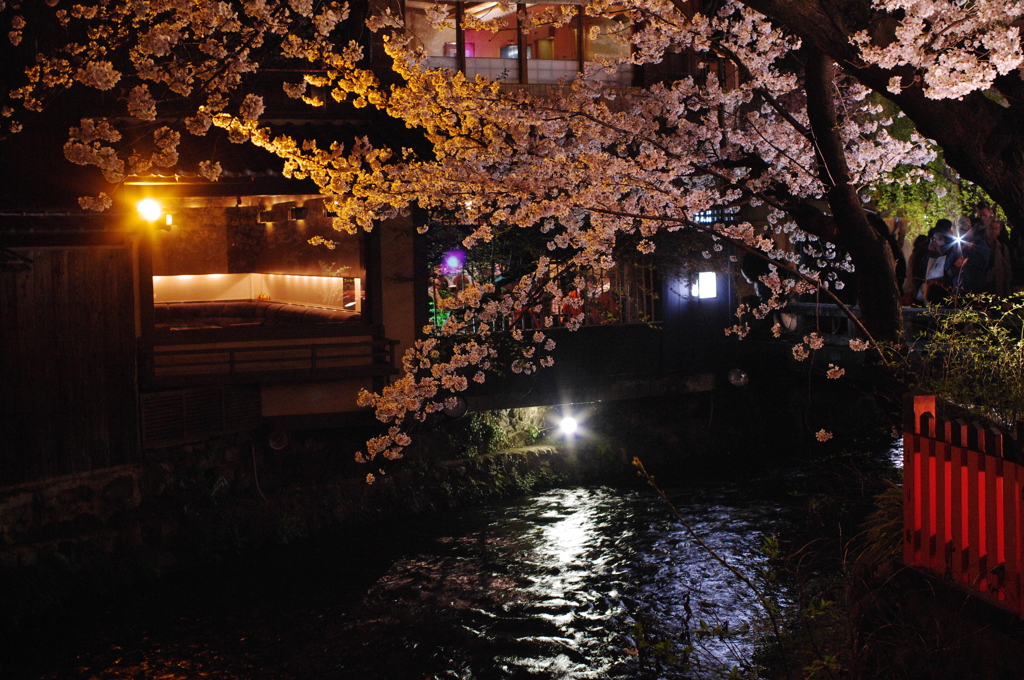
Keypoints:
(568, 583)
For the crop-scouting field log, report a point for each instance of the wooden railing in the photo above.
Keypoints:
(962, 504)
(837, 328)
(322, 351)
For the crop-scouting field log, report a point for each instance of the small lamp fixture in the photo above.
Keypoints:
(150, 209)
(706, 286)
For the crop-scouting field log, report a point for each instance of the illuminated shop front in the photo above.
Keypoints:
(555, 44)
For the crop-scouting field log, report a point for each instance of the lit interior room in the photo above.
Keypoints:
(250, 262)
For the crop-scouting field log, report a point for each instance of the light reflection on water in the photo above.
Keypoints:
(584, 583)
(567, 584)
(896, 453)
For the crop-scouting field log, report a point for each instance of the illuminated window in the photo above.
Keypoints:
(706, 286)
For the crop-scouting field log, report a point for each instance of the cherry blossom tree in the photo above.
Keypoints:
(794, 133)
(952, 67)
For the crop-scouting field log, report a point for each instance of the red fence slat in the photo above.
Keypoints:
(963, 504)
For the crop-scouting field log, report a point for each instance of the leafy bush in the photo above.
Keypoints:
(973, 358)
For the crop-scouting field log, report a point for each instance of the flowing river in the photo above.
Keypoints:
(568, 583)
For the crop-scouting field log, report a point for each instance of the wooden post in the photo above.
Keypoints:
(521, 46)
(580, 42)
(975, 490)
(988, 441)
(940, 453)
(915, 406)
(460, 37)
(926, 500)
(910, 479)
(1011, 535)
(958, 510)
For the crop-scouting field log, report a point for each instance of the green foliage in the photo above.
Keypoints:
(472, 435)
(921, 201)
(974, 358)
(882, 537)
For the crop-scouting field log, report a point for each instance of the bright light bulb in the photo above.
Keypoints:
(150, 209)
(568, 425)
(706, 286)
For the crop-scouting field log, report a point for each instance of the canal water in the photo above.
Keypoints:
(568, 583)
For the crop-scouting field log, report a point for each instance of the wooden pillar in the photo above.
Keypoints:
(580, 40)
(524, 75)
(144, 302)
(373, 306)
(460, 37)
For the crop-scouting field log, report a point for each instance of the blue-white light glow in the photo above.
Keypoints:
(568, 425)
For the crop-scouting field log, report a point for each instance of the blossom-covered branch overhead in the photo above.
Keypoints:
(588, 166)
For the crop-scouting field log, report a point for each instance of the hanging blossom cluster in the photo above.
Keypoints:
(949, 47)
(588, 166)
(160, 53)
(461, 351)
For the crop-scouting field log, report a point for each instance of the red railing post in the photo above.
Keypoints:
(939, 454)
(1011, 536)
(919, 413)
(964, 504)
(952, 500)
(957, 515)
(975, 492)
(991, 516)
(926, 497)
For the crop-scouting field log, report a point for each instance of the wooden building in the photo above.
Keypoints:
(121, 334)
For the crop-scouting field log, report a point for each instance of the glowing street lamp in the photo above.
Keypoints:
(150, 209)
(568, 425)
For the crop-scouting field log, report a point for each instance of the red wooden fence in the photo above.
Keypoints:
(963, 512)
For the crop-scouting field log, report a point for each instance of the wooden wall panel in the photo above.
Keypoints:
(68, 355)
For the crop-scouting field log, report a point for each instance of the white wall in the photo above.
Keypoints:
(203, 287)
(318, 291)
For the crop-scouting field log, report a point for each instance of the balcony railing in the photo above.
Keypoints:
(276, 354)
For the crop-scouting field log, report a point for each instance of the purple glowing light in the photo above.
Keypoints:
(453, 261)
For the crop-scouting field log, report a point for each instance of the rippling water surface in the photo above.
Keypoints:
(577, 583)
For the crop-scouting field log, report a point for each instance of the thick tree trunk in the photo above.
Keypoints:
(877, 292)
(982, 140)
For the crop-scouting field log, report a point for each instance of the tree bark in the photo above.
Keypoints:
(877, 291)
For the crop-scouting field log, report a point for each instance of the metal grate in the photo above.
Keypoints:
(182, 416)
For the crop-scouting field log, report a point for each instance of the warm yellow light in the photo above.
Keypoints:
(150, 209)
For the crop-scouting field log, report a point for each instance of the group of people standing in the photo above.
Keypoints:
(969, 257)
